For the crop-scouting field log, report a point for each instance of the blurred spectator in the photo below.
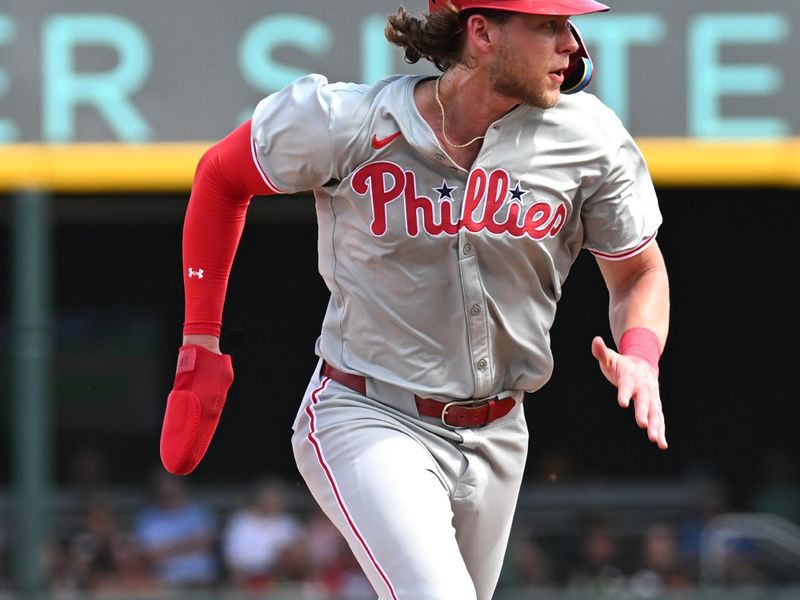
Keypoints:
(74, 560)
(598, 571)
(88, 471)
(57, 564)
(93, 550)
(741, 554)
(333, 567)
(347, 580)
(97, 555)
(715, 502)
(257, 535)
(662, 568)
(132, 573)
(176, 535)
(527, 565)
(326, 543)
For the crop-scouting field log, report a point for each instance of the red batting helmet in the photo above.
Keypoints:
(534, 7)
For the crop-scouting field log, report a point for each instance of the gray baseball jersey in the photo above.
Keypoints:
(445, 281)
(443, 284)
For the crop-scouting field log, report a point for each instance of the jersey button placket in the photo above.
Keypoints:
(477, 326)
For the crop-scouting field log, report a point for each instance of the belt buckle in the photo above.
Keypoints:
(458, 403)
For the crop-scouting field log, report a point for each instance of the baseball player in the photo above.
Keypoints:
(450, 209)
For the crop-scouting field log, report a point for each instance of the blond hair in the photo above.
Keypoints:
(437, 37)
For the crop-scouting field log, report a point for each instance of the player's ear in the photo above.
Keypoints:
(480, 32)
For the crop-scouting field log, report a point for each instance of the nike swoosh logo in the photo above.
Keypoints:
(378, 144)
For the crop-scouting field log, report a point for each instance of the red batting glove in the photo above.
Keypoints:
(194, 406)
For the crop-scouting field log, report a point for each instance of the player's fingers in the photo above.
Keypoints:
(654, 425)
(642, 407)
(655, 428)
(662, 438)
(607, 358)
(624, 392)
(662, 428)
(658, 434)
(599, 349)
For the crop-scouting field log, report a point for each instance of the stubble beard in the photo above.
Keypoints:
(510, 77)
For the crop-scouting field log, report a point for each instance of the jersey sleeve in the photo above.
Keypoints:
(291, 131)
(622, 216)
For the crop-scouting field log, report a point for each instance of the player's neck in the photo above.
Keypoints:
(463, 111)
(470, 102)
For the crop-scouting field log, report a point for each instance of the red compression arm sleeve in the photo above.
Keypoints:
(226, 179)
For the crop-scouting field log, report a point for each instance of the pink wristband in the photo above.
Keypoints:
(641, 342)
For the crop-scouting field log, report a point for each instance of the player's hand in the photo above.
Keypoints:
(202, 380)
(635, 380)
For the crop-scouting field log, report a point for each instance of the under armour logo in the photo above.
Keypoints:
(193, 273)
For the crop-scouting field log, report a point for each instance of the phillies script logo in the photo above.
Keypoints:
(485, 196)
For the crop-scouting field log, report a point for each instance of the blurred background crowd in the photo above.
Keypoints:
(261, 538)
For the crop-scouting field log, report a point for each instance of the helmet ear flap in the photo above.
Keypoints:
(577, 76)
(580, 71)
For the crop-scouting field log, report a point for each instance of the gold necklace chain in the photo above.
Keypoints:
(444, 135)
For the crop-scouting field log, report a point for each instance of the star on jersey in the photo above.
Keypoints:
(517, 193)
(444, 191)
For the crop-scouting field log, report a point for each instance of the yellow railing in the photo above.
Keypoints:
(684, 162)
(169, 167)
(75, 168)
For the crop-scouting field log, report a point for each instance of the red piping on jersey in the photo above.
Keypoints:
(627, 253)
(332, 481)
(226, 179)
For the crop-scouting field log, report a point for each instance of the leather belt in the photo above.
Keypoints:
(458, 413)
